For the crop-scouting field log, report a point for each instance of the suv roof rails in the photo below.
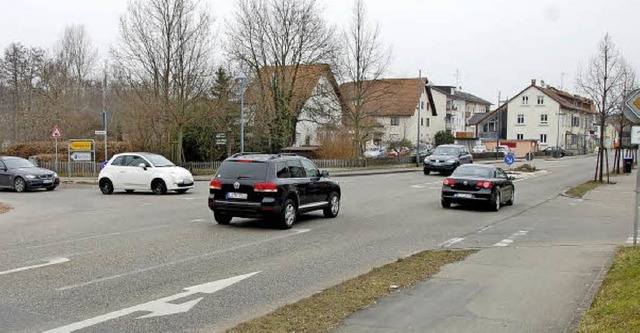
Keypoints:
(283, 154)
(246, 153)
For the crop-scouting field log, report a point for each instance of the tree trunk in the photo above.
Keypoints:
(179, 151)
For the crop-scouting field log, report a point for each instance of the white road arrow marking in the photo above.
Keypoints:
(54, 261)
(159, 307)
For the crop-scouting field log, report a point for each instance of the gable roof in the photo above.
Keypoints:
(306, 79)
(388, 97)
(567, 100)
(461, 95)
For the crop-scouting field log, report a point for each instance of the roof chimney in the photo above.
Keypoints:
(533, 82)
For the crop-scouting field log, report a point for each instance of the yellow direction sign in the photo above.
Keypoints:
(637, 102)
(81, 145)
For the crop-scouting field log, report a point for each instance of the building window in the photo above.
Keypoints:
(543, 138)
(421, 121)
(544, 118)
(395, 121)
(540, 100)
(520, 119)
(421, 105)
(428, 119)
(519, 136)
(525, 100)
(575, 121)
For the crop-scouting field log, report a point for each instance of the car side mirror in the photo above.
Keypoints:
(142, 165)
(325, 173)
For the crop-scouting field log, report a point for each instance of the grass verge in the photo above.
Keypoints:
(582, 189)
(616, 307)
(328, 308)
(4, 208)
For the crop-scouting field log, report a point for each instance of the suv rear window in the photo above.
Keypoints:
(242, 170)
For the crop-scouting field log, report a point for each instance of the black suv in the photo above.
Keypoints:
(271, 186)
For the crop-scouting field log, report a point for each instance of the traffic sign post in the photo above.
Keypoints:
(82, 151)
(509, 159)
(56, 134)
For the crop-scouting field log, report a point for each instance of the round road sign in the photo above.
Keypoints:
(509, 159)
(529, 157)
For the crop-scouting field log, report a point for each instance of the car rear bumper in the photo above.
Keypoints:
(244, 209)
(454, 196)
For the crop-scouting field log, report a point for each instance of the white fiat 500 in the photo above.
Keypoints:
(143, 172)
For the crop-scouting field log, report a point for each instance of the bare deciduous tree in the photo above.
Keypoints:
(364, 61)
(272, 39)
(164, 54)
(602, 80)
(76, 53)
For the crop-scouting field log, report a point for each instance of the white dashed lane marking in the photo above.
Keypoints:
(511, 239)
(451, 242)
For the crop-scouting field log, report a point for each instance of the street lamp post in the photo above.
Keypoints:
(243, 79)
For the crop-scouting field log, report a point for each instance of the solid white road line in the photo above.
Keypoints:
(451, 242)
(201, 256)
(53, 261)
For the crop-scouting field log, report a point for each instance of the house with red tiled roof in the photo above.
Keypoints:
(396, 108)
(315, 99)
(544, 114)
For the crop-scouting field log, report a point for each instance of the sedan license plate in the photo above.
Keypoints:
(235, 195)
(464, 195)
(47, 181)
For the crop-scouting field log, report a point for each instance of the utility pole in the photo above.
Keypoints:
(420, 89)
(104, 111)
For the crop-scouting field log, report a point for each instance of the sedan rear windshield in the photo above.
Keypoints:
(242, 170)
(474, 172)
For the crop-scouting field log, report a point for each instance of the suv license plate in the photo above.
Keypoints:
(464, 195)
(235, 195)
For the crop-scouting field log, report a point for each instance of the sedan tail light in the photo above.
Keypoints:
(485, 184)
(448, 182)
(265, 187)
(215, 185)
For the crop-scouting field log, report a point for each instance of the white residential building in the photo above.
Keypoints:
(397, 106)
(460, 107)
(550, 116)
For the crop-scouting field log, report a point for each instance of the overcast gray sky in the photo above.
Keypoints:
(494, 45)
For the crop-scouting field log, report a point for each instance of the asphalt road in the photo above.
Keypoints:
(74, 258)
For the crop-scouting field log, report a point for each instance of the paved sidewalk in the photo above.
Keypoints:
(541, 283)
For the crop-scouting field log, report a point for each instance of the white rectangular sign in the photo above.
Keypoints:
(81, 156)
(101, 132)
(635, 135)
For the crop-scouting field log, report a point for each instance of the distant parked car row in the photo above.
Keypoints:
(378, 152)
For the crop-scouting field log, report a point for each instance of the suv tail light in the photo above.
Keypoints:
(485, 184)
(215, 185)
(448, 182)
(265, 187)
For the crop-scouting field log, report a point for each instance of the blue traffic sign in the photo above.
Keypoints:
(509, 159)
